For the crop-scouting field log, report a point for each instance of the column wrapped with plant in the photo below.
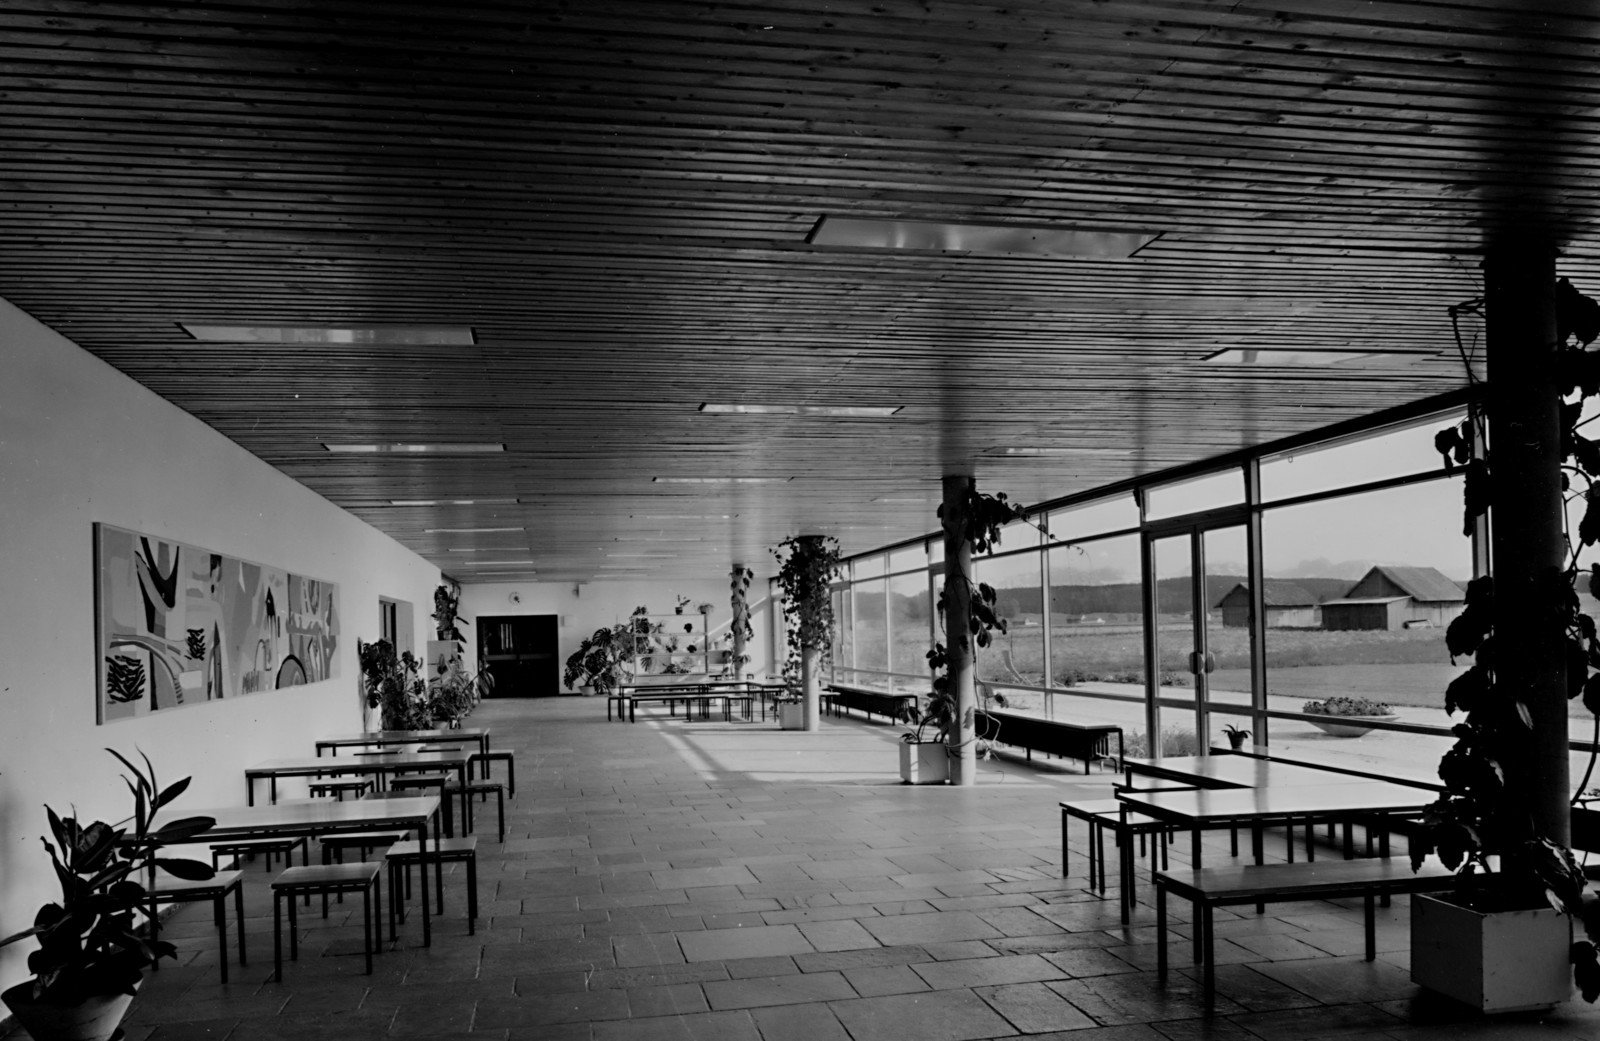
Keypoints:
(1491, 824)
(740, 628)
(807, 567)
(971, 522)
(446, 611)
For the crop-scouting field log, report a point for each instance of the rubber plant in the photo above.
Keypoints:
(88, 943)
(807, 567)
(1480, 817)
(978, 520)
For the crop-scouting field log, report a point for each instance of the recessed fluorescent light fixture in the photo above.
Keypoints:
(722, 480)
(631, 568)
(496, 563)
(378, 335)
(890, 498)
(1053, 450)
(1285, 357)
(644, 556)
(467, 531)
(402, 448)
(1048, 240)
(452, 502)
(803, 410)
(686, 516)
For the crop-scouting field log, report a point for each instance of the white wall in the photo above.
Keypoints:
(81, 443)
(589, 606)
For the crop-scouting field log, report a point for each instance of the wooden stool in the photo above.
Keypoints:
(404, 854)
(325, 879)
(338, 789)
(423, 782)
(240, 848)
(484, 788)
(169, 890)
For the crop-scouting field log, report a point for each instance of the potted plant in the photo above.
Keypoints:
(924, 750)
(1348, 717)
(807, 566)
(394, 686)
(1236, 736)
(596, 662)
(90, 961)
(446, 611)
(1503, 940)
(453, 691)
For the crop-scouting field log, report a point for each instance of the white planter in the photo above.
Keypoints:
(95, 1019)
(791, 715)
(1349, 726)
(1501, 961)
(924, 762)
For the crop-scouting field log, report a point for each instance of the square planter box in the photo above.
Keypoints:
(1498, 961)
(791, 715)
(924, 762)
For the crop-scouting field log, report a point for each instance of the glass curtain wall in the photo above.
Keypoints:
(1363, 564)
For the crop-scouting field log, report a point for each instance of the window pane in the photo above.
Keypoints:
(1075, 522)
(1395, 452)
(1016, 656)
(871, 650)
(1195, 495)
(1097, 617)
(869, 566)
(1358, 592)
(908, 558)
(908, 622)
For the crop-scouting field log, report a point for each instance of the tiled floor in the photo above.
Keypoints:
(672, 880)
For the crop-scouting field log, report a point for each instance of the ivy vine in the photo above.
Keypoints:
(807, 567)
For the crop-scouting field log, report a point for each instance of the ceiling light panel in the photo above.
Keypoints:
(722, 480)
(452, 502)
(1287, 357)
(413, 448)
(358, 335)
(468, 531)
(858, 411)
(1033, 239)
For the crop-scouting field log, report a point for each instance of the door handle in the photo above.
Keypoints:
(1211, 663)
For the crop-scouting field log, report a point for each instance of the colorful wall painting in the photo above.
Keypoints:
(179, 625)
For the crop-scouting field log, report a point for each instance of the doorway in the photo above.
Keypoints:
(1193, 568)
(520, 652)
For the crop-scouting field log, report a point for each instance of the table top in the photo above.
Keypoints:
(404, 737)
(315, 815)
(354, 764)
(1232, 771)
(1223, 804)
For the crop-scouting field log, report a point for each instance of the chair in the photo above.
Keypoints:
(402, 855)
(170, 890)
(324, 879)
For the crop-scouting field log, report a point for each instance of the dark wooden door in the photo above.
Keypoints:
(519, 651)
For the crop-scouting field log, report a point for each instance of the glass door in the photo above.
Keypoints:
(1197, 646)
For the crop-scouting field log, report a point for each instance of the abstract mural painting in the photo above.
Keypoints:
(179, 625)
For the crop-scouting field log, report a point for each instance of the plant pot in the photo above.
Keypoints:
(924, 762)
(1235, 741)
(1494, 961)
(1350, 726)
(94, 1019)
(791, 715)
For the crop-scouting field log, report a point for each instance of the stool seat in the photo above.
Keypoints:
(471, 788)
(282, 844)
(339, 789)
(169, 889)
(402, 855)
(363, 878)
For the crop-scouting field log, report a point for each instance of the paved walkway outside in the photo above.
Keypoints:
(674, 880)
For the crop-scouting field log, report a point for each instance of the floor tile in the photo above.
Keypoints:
(954, 1015)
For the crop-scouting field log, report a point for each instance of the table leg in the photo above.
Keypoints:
(422, 885)
(1194, 847)
(1161, 932)
(249, 790)
(1371, 925)
(1210, 970)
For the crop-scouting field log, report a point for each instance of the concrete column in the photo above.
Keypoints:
(1527, 542)
(958, 642)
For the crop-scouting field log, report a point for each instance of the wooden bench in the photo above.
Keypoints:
(1209, 888)
(894, 707)
(1090, 742)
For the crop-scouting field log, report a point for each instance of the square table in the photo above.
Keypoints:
(314, 817)
(386, 738)
(1202, 808)
(376, 765)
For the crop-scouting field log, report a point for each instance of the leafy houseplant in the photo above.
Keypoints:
(393, 684)
(807, 566)
(1484, 819)
(978, 520)
(89, 954)
(1236, 736)
(446, 611)
(599, 659)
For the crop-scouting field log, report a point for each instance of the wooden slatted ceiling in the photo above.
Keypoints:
(616, 196)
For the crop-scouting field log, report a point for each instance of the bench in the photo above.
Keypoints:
(894, 707)
(1209, 888)
(703, 694)
(1090, 742)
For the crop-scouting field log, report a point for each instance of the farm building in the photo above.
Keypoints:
(1396, 598)
(1288, 605)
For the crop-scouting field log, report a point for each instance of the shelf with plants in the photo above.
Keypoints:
(673, 644)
